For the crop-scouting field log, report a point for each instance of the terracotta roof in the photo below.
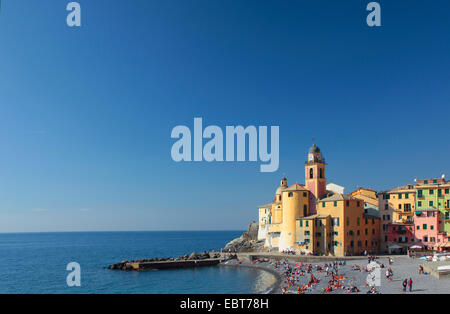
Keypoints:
(338, 197)
(355, 191)
(402, 188)
(318, 216)
(296, 187)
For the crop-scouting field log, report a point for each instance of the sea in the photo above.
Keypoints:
(37, 263)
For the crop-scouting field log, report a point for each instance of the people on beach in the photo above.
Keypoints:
(410, 283)
(405, 284)
(421, 270)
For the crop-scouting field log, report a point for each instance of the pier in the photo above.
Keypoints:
(192, 261)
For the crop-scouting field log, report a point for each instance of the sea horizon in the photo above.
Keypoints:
(98, 231)
(41, 261)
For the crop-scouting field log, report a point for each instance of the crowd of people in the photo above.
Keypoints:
(292, 275)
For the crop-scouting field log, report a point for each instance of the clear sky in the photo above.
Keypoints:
(86, 113)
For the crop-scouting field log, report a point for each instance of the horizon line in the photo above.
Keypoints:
(98, 231)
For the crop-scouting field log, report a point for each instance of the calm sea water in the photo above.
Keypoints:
(36, 263)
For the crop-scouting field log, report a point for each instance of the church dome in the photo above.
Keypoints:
(314, 149)
(280, 190)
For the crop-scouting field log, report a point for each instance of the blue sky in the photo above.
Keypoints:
(86, 113)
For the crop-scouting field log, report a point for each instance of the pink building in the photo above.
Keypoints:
(400, 237)
(426, 225)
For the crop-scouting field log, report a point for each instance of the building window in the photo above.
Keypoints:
(418, 227)
(305, 210)
(399, 206)
(399, 196)
(419, 204)
(424, 227)
(347, 203)
(290, 194)
(311, 173)
(335, 204)
(358, 221)
(323, 204)
(431, 227)
(406, 195)
(431, 203)
(321, 172)
(358, 204)
(431, 192)
(307, 223)
(301, 223)
(447, 191)
(420, 193)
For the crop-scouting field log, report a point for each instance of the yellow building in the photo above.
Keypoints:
(370, 197)
(396, 207)
(295, 204)
(311, 220)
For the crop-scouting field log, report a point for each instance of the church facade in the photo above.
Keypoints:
(316, 218)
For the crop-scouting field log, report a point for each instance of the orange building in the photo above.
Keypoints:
(311, 220)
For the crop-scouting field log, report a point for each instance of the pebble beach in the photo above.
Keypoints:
(347, 277)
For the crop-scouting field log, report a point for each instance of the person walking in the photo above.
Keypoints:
(405, 284)
(410, 283)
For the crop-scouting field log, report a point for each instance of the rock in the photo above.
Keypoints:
(247, 242)
(252, 233)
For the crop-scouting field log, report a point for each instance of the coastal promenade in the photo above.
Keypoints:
(251, 256)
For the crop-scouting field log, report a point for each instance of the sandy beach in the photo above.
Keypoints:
(402, 268)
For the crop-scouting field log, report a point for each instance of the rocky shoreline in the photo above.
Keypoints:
(247, 242)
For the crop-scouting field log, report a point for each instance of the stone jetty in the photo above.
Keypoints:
(186, 261)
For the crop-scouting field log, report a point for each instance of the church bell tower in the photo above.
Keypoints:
(315, 180)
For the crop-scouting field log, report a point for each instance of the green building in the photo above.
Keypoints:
(435, 194)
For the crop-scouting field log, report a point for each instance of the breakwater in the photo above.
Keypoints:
(187, 261)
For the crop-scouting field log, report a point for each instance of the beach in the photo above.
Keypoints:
(402, 268)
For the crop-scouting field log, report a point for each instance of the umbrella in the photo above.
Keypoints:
(415, 247)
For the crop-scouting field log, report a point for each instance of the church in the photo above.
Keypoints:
(316, 218)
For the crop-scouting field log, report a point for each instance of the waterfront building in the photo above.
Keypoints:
(318, 218)
(434, 195)
(310, 219)
(369, 196)
(426, 225)
(396, 208)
